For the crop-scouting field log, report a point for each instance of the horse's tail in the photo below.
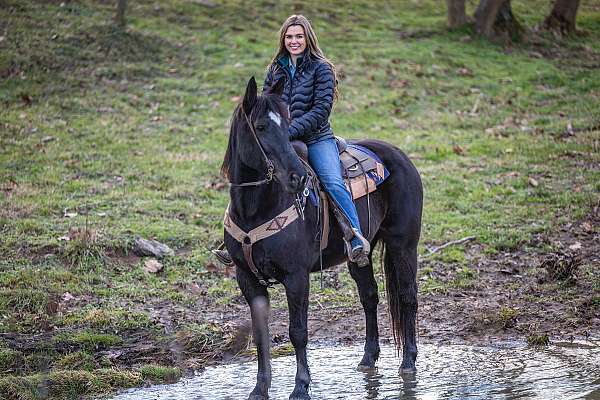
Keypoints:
(400, 294)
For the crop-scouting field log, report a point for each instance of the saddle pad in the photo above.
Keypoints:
(366, 173)
(361, 183)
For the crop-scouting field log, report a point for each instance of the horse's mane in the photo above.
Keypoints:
(264, 103)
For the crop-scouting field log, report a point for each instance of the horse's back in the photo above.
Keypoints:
(402, 191)
(395, 160)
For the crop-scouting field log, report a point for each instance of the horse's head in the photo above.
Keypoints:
(259, 140)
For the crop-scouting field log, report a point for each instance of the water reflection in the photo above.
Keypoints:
(372, 379)
(444, 372)
(409, 386)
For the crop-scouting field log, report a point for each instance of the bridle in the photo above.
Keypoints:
(270, 227)
(270, 166)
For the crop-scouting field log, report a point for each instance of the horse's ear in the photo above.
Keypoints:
(250, 96)
(277, 88)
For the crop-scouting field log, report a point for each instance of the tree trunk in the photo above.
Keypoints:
(494, 18)
(120, 16)
(563, 16)
(457, 16)
(485, 16)
(507, 24)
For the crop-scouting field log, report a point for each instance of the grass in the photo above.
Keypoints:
(108, 134)
(160, 374)
(86, 340)
(112, 319)
(541, 340)
(76, 360)
(465, 278)
(65, 385)
(11, 361)
(203, 341)
(506, 316)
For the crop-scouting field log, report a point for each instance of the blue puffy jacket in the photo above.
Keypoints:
(309, 96)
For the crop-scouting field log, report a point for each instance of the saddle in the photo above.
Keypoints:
(362, 171)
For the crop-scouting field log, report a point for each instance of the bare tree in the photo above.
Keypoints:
(495, 18)
(485, 16)
(457, 16)
(120, 15)
(563, 16)
(506, 23)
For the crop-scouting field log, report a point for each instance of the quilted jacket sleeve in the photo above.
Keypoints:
(304, 126)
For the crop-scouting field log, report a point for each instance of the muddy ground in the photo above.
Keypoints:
(529, 295)
(516, 295)
(547, 290)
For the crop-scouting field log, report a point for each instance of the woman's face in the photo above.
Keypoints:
(295, 40)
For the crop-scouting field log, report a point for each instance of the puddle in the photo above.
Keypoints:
(444, 372)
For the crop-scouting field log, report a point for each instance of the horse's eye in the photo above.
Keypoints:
(260, 127)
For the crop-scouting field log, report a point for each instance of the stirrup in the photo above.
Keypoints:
(222, 255)
(359, 256)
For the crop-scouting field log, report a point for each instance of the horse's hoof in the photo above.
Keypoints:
(366, 368)
(408, 370)
(299, 396)
(257, 397)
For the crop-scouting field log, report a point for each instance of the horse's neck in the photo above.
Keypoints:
(256, 204)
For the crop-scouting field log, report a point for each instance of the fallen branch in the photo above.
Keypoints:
(452, 243)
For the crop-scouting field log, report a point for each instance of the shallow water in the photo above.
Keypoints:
(561, 371)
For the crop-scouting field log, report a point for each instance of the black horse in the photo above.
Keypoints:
(258, 150)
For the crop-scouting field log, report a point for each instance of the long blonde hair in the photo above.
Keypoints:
(312, 44)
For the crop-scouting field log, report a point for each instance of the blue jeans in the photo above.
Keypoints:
(323, 156)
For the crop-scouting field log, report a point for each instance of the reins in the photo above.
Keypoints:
(270, 165)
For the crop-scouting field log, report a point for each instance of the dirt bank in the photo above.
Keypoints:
(509, 296)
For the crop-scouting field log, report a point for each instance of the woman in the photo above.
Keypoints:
(310, 90)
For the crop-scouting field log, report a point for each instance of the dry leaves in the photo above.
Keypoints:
(587, 227)
(533, 182)
(575, 246)
(458, 150)
(195, 289)
(66, 297)
(228, 271)
(153, 266)
(562, 266)
(27, 99)
(211, 267)
(464, 71)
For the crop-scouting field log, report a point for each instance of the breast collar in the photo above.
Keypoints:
(265, 230)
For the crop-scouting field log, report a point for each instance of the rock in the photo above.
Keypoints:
(144, 247)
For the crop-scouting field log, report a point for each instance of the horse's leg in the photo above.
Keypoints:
(296, 290)
(369, 298)
(258, 299)
(401, 284)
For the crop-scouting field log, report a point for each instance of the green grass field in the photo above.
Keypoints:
(109, 134)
